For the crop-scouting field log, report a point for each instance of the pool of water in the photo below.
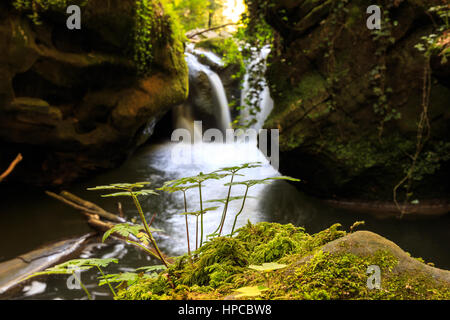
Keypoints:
(30, 219)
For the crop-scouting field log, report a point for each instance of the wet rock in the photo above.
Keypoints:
(366, 243)
(347, 101)
(72, 102)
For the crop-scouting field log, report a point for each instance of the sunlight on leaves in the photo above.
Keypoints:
(254, 291)
(126, 229)
(267, 267)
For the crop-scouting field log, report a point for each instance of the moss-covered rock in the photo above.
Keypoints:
(76, 101)
(328, 265)
(348, 99)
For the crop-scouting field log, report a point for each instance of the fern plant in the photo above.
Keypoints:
(129, 190)
(249, 184)
(198, 181)
(142, 235)
(71, 267)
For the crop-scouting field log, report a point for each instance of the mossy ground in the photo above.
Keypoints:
(221, 267)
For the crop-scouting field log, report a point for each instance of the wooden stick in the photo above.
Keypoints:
(92, 206)
(93, 213)
(151, 221)
(80, 201)
(70, 203)
(11, 167)
(83, 205)
(119, 207)
(210, 29)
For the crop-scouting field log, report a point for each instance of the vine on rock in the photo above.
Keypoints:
(431, 45)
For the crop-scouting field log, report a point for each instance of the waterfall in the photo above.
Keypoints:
(265, 103)
(210, 56)
(222, 111)
(256, 95)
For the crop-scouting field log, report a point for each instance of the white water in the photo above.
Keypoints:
(178, 160)
(208, 157)
(222, 111)
(265, 100)
(210, 56)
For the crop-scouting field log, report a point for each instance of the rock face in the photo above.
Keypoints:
(366, 243)
(348, 99)
(71, 101)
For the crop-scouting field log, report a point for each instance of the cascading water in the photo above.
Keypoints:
(222, 111)
(258, 95)
(251, 94)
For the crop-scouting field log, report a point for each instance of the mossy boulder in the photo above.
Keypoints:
(76, 101)
(348, 99)
(331, 264)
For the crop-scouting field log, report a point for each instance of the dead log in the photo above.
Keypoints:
(12, 272)
(83, 205)
(93, 214)
(191, 36)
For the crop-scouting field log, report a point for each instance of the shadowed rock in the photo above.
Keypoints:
(72, 101)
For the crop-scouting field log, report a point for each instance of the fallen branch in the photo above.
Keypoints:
(93, 213)
(11, 167)
(83, 205)
(13, 272)
(210, 29)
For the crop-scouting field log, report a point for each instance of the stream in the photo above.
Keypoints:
(30, 218)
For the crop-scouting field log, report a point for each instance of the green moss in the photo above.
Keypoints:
(144, 30)
(217, 260)
(221, 268)
(290, 97)
(228, 50)
(155, 26)
(34, 8)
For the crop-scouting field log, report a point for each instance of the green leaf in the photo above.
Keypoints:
(169, 188)
(250, 291)
(284, 178)
(187, 181)
(152, 268)
(125, 229)
(267, 267)
(102, 188)
(121, 186)
(251, 183)
(92, 262)
(129, 277)
(230, 199)
(69, 267)
(145, 192)
(235, 169)
(199, 212)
